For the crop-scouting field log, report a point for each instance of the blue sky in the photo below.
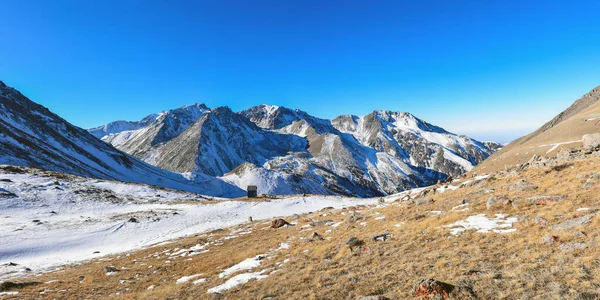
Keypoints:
(491, 69)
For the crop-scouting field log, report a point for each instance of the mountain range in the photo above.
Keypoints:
(288, 151)
(33, 136)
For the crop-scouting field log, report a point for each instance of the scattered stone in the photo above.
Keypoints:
(497, 201)
(591, 142)
(216, 296)
(522, 186)
(110, 269)
(5, 180)
(220, 230)
(430, 289)
(371, 298)
(549, 239)
(278, 223)
(36, 221)
(354, 242)
(12, 264)
(96, 252)
(133, 220)
(9, 285)
(321, 223)
(381, 237)
(316, 237)
(544, 199)
(472, 273)
(542, 222)
(571, 224)
(572, 247)
(423, 201)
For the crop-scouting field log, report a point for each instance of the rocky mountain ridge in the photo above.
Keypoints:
(381, 153)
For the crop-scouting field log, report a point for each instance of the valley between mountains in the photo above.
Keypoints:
(382, 206)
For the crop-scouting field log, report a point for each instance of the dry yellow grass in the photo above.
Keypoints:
(516, 265)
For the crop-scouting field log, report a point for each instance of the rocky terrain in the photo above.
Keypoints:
(528, 232)
(33, 136)
(566, 129)
(287, 151)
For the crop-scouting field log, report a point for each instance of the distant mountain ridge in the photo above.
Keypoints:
(288, 151)
(32, 136)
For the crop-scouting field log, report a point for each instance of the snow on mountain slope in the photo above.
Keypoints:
(271, 182)
(381, 153)
(80, 218)
(31, 135)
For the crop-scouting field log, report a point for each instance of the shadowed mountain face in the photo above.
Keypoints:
(289, 151)
(32, 136)
(565, 130)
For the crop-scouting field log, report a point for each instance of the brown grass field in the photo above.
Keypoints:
(516, 265)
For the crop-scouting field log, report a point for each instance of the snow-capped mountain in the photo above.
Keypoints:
(287, 151)
(32, 136)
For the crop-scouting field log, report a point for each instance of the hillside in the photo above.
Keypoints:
(528, 232)
(33, 136)
(564, 130)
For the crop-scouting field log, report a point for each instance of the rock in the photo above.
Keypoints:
(544, 199)
(522, 186)
(591, 142)
(572, 223)
(216, 296)
(542, 222)
(6, 194)
(430, 289)
(371, 298)
(321, 223)
(5, 180)
(497, 201)
(423, 201)
(549, 239)
(132, 220)
(249, 219)
(354, 242)
(381, 237)
(572, 247)
(471, 273)
(316, 237)
(110, 269)
(278, 223)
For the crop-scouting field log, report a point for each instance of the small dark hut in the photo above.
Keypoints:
(252, 191)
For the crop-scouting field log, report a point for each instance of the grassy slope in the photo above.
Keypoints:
(513, 266)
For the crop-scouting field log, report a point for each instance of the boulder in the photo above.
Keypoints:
(496, 201)
(354, 242)
(423, 201)
(591, 142)
(544, 199)
(278, 223)
(572, 247)
(316, 237)
(549, 239)
(430, 289)
(522, 186)
(573, 223)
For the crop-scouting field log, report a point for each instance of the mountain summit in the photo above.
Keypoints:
(32, 136)
(287, 151)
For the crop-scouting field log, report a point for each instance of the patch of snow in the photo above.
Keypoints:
(482, 224)
(247, 264)
(237, 280)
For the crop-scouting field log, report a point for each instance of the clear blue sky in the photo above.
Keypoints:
(492, 69)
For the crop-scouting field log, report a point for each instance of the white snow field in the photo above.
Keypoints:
(48, 221)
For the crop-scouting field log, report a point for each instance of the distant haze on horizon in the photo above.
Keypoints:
(493, 71)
